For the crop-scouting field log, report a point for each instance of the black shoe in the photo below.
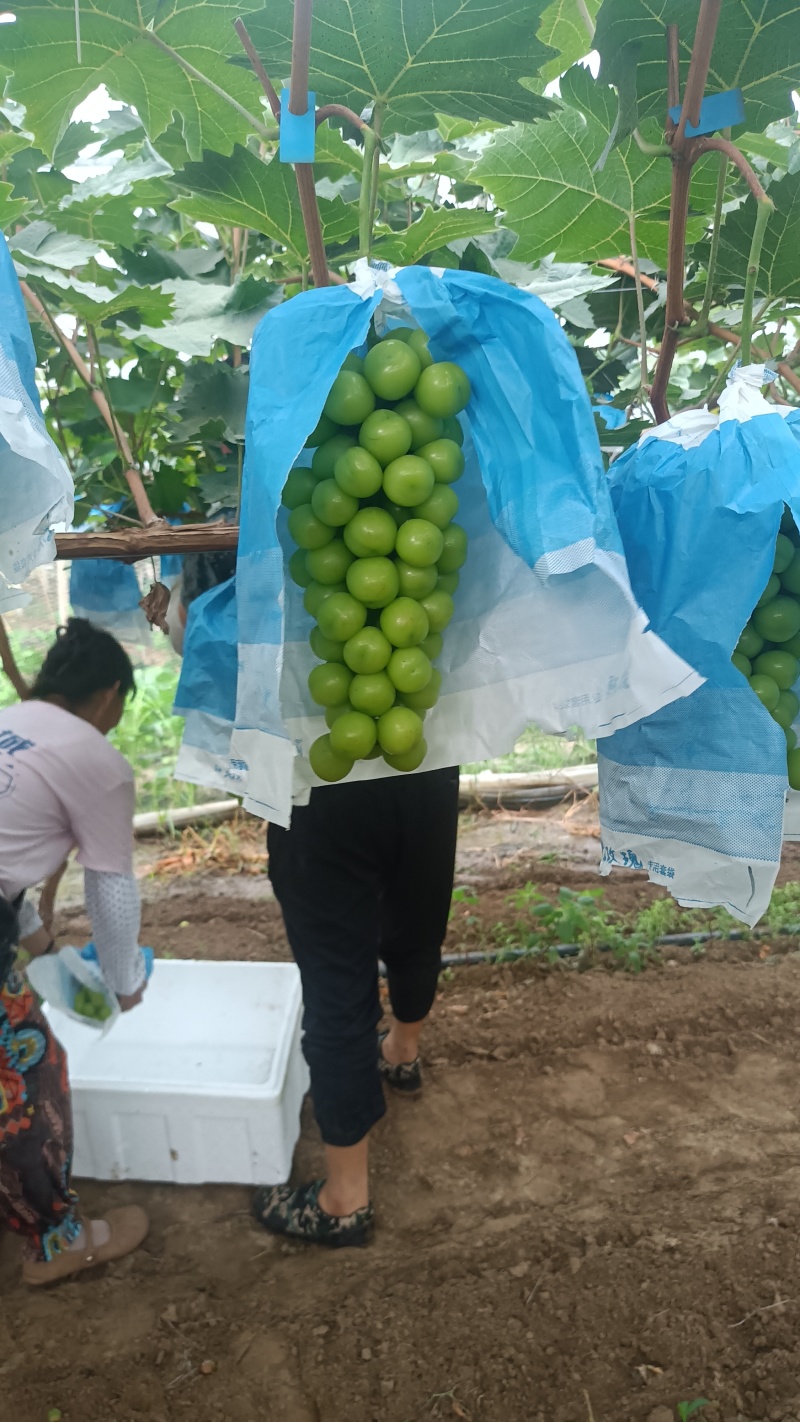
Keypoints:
(298, 1214)
(406, 1078)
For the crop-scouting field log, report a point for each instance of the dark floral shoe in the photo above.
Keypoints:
(298, 1214)
(406, 1078)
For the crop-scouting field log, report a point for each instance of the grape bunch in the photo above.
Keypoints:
(91, 1004)
(768, 651)
(378, 554)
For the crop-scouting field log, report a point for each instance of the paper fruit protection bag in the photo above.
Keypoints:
(35, 483)
(545, 627)
(107, 592)
(695, 793)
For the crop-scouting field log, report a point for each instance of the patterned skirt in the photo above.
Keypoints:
(36, 1200)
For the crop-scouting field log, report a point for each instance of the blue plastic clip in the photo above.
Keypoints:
(717, 111)
(298, 131)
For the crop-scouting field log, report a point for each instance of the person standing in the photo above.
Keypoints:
(62, 786)
(363, 873)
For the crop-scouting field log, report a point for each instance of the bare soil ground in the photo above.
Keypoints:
(592, 1213)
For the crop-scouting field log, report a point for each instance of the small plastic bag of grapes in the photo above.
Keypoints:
(73, 984)
(428, 558)
(708, 506)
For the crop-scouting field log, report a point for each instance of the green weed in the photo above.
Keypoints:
(688, 1409)
(784, 908)
(465, 899)
(581, 919)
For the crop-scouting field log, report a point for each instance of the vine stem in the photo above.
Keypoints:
(716, 233)
(258, 69)
(301, 56)
(268, 134)
(585, 18)
(365, 196)
(682, 153)
(377, 119)
(298, 104)
(652, 150)
(644, 376)
(723, 145)
(134, 479)
(329, 111)
(704, 37)
(764, 208)
(675, 314)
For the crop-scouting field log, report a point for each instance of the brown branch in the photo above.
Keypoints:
(784, 370)
(301, 57)
(683, 151)
(675, 314)
(626, 341)
(721, 145)
(9, 665)
(298, 104)
(621, 264)
(673, 73)
(138, 493)
(129, 545)
(304, 173)
(329, 111)
(258, 69)
(704, 36)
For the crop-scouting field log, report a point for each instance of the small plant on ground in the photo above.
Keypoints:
(462, 901)
(784, 908)
(580, 919)
(688, 1409)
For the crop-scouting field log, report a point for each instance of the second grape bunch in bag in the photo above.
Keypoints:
(378, 553)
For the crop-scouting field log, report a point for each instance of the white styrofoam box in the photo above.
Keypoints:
(200, 1084)
(791, 818)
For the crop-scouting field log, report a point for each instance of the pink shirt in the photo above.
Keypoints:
(61, 785)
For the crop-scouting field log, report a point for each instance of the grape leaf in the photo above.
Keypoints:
(543, 177)
(556, 283)
(139, 166)
(12, 210)
(76, 137)
(32, 177)
(333, 157)
(205, 313)
(110, 219)
(563, 28)
(435, 228)
(11, 143)
(464, 58)
(118, 50)
(152, 265)
(41, 242)
(757, 49)
(243, 191)
(213, 394)
(779, 272)
(97, 304)
(133, 395)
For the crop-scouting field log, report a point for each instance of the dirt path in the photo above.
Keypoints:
(598, 1196)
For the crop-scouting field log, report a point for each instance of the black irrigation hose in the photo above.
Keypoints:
(540, 797)
(571, 950)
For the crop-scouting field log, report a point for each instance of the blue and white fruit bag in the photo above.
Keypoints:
(35, 484)
(545, 626)
(695, 793)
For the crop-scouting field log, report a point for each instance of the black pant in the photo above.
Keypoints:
(364, 872)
